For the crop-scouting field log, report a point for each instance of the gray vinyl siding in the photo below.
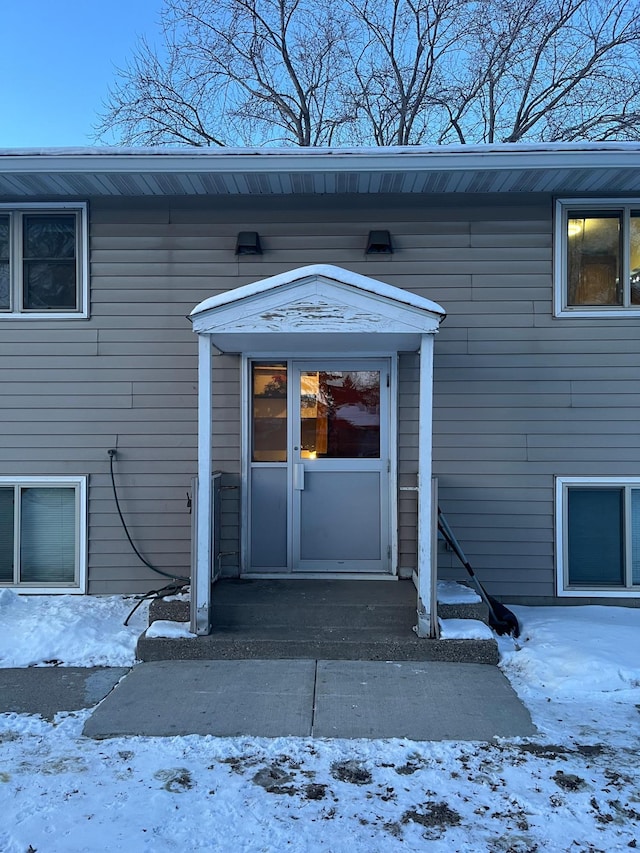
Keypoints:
(519, 396)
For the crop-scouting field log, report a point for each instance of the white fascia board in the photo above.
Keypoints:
(399, 159)
(370, 286)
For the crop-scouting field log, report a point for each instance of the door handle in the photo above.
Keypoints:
(298, 476)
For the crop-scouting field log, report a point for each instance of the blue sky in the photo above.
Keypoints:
(57, 61)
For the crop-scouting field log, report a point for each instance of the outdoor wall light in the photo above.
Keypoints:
(248, 243)
(379, 243)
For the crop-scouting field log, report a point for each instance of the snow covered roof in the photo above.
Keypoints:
(593, 167)
(364, 283)
(317, 307)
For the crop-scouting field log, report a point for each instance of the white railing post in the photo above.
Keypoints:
(426, 567)
(201, 581)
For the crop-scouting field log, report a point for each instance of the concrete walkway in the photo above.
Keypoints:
(47, 690)
(278, 698)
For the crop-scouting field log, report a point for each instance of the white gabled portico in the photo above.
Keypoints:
(319, 312)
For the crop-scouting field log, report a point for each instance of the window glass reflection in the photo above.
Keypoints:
(49, 264)
(269, 410)
(340, 414)
(4, 262)
(593, 241)
(634, 256)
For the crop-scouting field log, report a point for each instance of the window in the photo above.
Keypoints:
(598, 536)
(42, 533)
(597, 258)
(43, 263)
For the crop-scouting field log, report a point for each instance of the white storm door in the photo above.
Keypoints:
(340, 466)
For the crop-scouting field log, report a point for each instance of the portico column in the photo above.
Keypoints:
(201, 583)
(427, 626)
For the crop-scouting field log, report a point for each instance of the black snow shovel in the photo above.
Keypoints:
(501, 619)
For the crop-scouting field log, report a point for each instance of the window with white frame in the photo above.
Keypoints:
(599, 536)
(43, 261)
(43, 533)
(597, 257)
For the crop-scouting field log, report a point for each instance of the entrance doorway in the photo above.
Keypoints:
(319, 466)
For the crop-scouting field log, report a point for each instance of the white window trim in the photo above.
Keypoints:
(562, 589)
(80, 584)
(80, 208)
(560, 308)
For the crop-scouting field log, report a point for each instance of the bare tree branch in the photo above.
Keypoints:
(540, 65)
(381, 72)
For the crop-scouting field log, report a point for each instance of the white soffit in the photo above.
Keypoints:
(550, 167)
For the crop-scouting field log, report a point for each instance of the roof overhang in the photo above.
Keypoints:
(314, 309)
(570, 168)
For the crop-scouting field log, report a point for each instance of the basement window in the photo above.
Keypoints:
(43, 534)
(599, 536)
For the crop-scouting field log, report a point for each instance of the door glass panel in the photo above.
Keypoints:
(269, 412)
(340, 414)
(596, 537)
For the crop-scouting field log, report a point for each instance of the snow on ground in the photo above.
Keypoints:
(575, 787)
(68, 629)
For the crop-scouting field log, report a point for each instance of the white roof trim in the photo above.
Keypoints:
(184, 160)
(317, 309)
(363, 283)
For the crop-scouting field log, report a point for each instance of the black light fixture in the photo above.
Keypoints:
(248, 243)
(379, 243)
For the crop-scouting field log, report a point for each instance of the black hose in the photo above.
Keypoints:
(163, 592)
(126, 530)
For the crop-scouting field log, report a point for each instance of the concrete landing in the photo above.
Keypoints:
(306, 698)
(48, 690)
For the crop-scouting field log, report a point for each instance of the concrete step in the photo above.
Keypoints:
(478, 611)
(322, 620)
(220, 646)
(289, 604)
(313, 617)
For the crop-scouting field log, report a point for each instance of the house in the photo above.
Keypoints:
(315, 335)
